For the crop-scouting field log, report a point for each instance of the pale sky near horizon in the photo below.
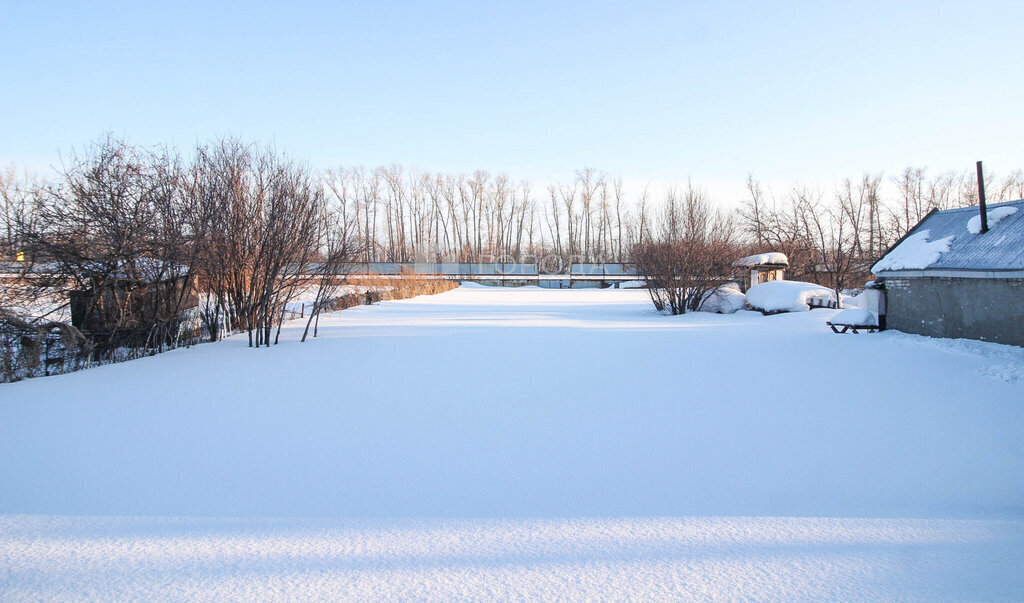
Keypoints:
(647, 91)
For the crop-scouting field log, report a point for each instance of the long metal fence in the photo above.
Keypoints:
(487, 269)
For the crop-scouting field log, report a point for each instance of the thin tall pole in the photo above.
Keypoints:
(981, 199)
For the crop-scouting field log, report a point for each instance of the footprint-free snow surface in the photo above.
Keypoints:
(523, 443)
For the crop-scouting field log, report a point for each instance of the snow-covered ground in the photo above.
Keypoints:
(511, 443)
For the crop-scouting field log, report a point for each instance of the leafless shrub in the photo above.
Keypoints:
(692, 257)
(261, 215)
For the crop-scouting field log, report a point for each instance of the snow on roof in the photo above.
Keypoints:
(1001, 248)
(915, 252)
(997, 214)
(772, 258)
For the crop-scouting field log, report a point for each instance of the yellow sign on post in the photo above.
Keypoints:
(21, 256)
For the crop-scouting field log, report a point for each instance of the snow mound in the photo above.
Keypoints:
(994, 215)
(914, 253)
(725, 300)
(856, 317)
(787, 296)
(861, 300)
(763, 258)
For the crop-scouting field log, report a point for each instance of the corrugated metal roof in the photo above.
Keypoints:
(1001, 248)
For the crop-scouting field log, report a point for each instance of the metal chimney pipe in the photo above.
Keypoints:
(981, 199)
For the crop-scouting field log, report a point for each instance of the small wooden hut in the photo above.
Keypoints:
(761, 268)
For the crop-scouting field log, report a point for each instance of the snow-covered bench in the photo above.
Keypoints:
(855, 320)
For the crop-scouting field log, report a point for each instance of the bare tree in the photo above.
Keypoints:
(16, 211)
(831, 229)
(330, 272)
(692, 257)
(264, 213)
(112, 236)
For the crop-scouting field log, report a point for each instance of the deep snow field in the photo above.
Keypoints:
(523, 443)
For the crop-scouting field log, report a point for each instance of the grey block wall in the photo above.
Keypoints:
(972, 308)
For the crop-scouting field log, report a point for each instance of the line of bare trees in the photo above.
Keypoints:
(398, 215)
(401, 216)
(242, 221)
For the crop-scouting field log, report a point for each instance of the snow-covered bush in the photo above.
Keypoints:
(789, 296)
(725, 300)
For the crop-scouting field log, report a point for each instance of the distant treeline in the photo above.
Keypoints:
(236, 216)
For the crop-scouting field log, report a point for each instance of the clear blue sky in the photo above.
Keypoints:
(648, 91)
